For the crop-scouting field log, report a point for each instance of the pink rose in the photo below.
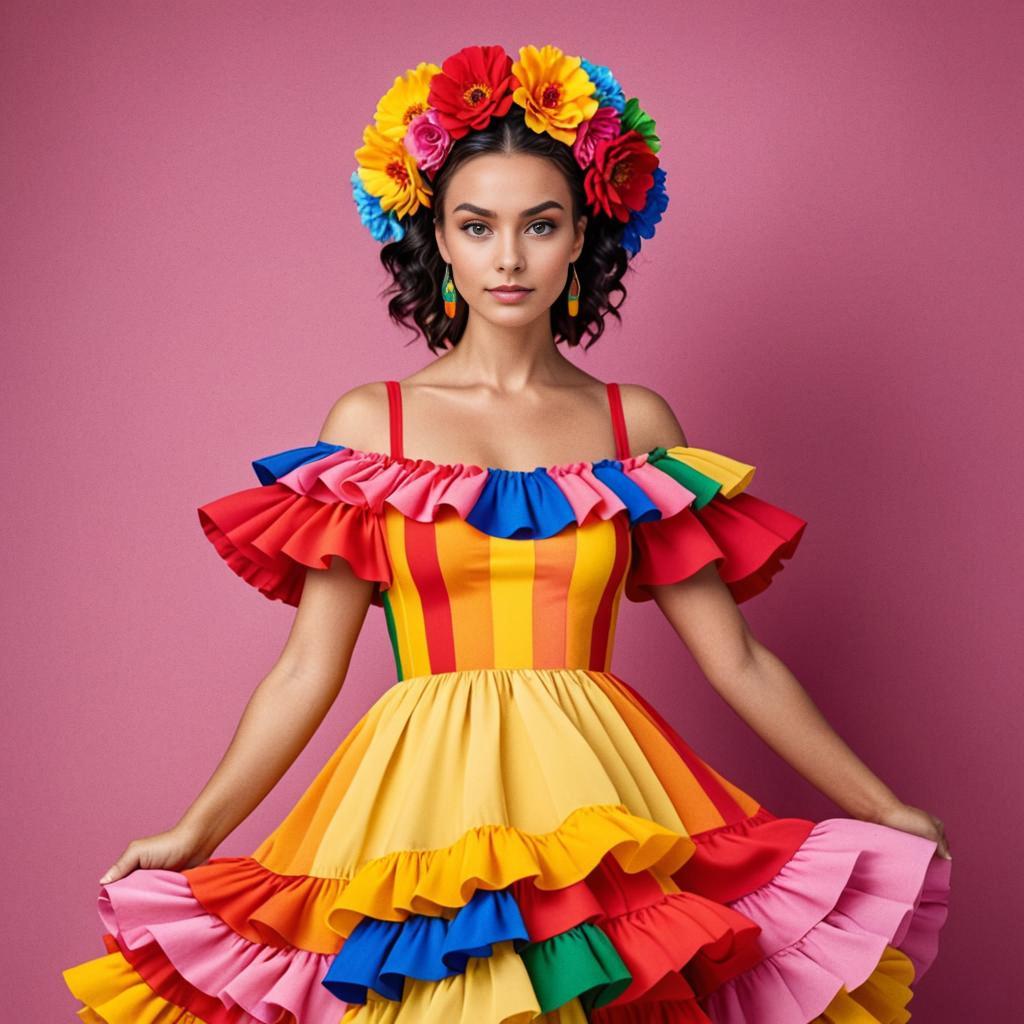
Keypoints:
(427, 141)
(605, 124)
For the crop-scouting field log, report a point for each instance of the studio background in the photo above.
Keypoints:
(833, 295)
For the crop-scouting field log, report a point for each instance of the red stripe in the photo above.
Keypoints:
(395, 417)
(425, 568)
(618, 420)
(600, 655)
(730, 811)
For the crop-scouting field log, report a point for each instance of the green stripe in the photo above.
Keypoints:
(389, 618)
(703, 486)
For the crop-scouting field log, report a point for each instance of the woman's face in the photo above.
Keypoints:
(508, 220)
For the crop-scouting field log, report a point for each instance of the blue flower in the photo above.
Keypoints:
(384, 227)
(608, 92)
(641, 222)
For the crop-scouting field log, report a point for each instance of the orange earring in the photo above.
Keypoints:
(448, 292)
(574, 292)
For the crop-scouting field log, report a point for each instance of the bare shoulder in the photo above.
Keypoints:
(650, 419)
(359, 418)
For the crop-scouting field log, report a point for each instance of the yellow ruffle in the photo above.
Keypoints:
(881, 999)
(493, 857)
(115, 993)
(492, 990)
(733, 475)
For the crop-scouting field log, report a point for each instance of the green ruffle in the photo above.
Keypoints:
(579, 963)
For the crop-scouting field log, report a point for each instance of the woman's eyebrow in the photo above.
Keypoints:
(481, 212)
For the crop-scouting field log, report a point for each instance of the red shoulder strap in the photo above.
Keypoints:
(395, 417)
(618, 421)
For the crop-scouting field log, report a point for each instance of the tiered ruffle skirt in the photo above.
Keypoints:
(503, 846)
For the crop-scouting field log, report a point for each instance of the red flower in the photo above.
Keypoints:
(621, 175)
(472, 86)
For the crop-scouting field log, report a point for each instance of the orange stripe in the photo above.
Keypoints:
(594, 552)
(708, 796)
(464, 554)
(556, 557)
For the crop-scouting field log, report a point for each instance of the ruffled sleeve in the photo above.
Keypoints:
(746, 537)
(271, 534)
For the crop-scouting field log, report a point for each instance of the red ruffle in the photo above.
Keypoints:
(151, 964)
(746, 536)
(270, 536)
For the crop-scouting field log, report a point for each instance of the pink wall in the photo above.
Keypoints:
(830, 297)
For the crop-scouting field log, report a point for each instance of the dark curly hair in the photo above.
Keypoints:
(417, 269)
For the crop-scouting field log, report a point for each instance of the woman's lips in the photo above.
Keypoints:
(510, 296)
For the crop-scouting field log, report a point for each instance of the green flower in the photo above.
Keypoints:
(636, 119)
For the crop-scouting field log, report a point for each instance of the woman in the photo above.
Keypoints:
(512, 832)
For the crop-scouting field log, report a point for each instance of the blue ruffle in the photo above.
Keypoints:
(529, 505)
(382, 954)
(270, 467)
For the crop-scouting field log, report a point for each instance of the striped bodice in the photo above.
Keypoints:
(462, 599)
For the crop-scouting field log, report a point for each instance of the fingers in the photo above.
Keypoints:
(125, 863)
(943, 843)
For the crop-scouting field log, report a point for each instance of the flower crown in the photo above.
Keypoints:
(579, 103)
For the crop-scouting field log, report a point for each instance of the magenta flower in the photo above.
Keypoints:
(427, 140)
(605, 124)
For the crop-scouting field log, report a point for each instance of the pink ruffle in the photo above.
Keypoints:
(850, 890)
(156, 905)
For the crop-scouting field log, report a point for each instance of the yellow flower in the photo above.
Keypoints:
(554, 90)
(387, 170)
(404, 100)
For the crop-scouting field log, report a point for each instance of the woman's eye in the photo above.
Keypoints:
(468, 228)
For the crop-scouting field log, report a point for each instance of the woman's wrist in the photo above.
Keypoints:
(203, 830)
(880, 809)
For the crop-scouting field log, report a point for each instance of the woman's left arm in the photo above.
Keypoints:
(756, 684)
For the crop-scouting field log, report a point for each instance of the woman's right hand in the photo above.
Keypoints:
(177, 848)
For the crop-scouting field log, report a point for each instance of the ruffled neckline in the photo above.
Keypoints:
(512, 503)
(471, 467)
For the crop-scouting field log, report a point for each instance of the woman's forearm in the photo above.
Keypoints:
(281, 716)
(770, 699)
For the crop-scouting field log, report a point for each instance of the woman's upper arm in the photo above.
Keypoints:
(707, 619)
(327, 623)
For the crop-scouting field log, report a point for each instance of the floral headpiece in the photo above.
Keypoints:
(581, 104)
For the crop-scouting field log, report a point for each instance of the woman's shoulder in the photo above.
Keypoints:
(359, 418)
(651, 421)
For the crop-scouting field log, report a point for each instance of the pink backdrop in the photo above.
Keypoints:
(830, 297)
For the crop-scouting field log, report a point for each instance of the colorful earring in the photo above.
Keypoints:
(574, 293)
(448, 292)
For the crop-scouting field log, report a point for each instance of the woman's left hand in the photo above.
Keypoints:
(919, 823)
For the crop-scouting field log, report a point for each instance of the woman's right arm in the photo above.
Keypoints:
(281, 716)
(287, 706)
